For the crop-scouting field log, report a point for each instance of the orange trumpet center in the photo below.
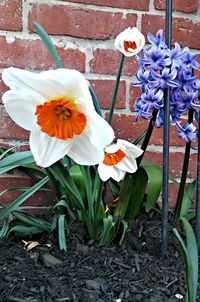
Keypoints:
(60, 118)
(129, 44)
(111, 159)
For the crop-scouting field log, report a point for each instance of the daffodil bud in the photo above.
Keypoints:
(130, 41)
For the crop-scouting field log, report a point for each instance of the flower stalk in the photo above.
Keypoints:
(179, 201)
(116, 89)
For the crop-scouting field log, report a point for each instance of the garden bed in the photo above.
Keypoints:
(135, 271)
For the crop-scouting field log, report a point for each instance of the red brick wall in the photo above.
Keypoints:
(83, 32)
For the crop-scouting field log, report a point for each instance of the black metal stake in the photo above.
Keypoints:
(198, 190)
(165, 189)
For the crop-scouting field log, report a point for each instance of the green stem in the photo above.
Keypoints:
(99, 195)
(148, 135)
(115, 89)
(179, 200)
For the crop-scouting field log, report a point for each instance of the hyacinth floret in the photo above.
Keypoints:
(161, 68)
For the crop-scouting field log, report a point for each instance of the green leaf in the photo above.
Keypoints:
(137, 189)
(4, 228)
(61, 232)
(17, 202)
(15, 160)
(114, 187)
(193, 255)
(67, 182)
(48, 43)
(125, 227)
(190, 256)
(187, 198)
(154, 174)
(32, 221)
(25, 230)
(124, 196)
(108, 231)
(63, 203)
(95, 101)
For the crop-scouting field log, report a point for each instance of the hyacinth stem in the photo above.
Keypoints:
(148, 135)
(112, 107)
(179, 200)
(197, 226)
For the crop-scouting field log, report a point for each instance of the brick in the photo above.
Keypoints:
(106, 61)
(10, 130)
(11, 15)
(104, 91)
(186, 6)
(3, 88)
(38, 199)
(126, 127)
(185, 31)
(33, 54)
(133, 4)
(135, 92)
(175, 166)
(78, 22)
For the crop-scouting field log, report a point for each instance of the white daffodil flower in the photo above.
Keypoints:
(119, 158)
(57, 108)
(130, 41)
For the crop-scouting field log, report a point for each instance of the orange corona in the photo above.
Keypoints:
(129, 44)
(60, 118)
(111, 159)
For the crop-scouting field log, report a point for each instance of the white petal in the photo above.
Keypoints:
(128, 164)
(83, 152)
(130, 35)
(47, 150)
(112, 148)
(50, 84)
(21, 106)
(133, 149)
(106, 172)
(99, 131)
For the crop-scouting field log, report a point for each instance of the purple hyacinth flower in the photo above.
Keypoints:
(164, 79)
(155, 57)
(142, 110)
(153, 98)
(187, 132)
(190, 59)
(175, 55)
(143, 76)
(157, 40)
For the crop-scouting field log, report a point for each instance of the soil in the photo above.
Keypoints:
(88, 271)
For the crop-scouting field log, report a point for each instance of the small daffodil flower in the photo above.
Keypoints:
(56, 107)
(119, 158)
(130, 41)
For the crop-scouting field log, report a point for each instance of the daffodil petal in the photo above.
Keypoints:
(106, 172)
(83, 152)
(21, 105)
(128, 164)
(49, 84)
(47, 150)
(135, 150)
(99, 131)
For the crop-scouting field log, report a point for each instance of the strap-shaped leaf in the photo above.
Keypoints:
(154, 174)
(48, 43)
(17, 202)
(138, 188)
(15, 160)
(61, 232)
(190, 256)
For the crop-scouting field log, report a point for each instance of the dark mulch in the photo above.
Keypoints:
(135, 271)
